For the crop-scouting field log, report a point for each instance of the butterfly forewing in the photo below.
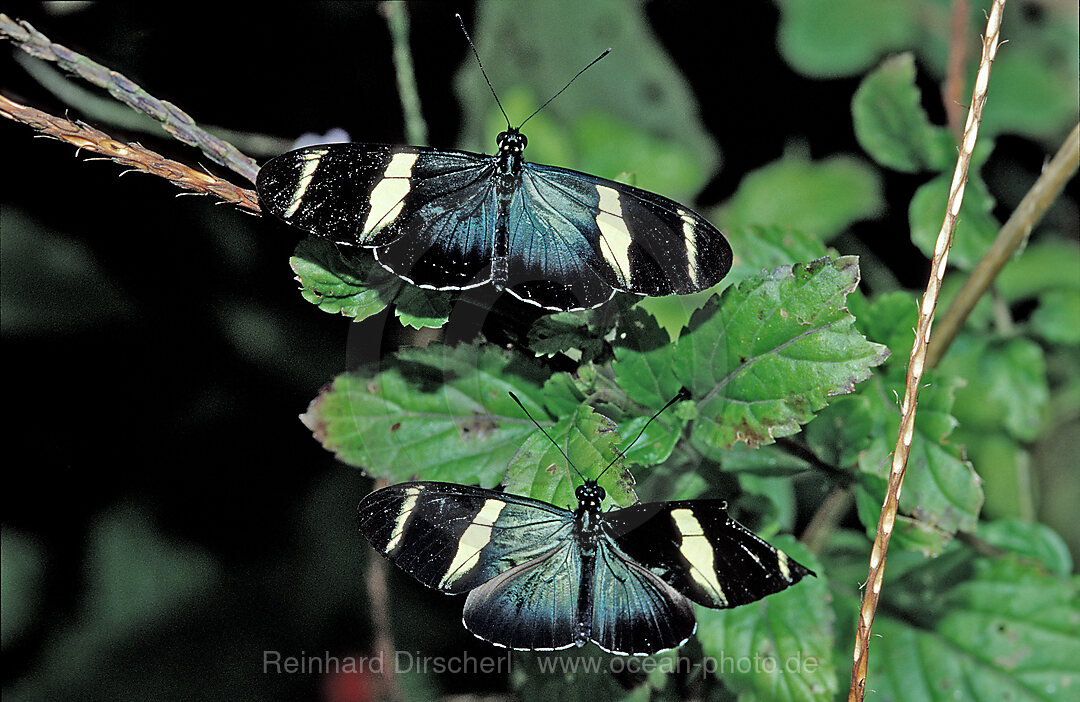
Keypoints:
(640, 242)
(455, 537)
(700, 551)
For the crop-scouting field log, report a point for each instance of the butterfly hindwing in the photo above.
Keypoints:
(455, 537)
(633, 610)
(702, 552)
(533, 606)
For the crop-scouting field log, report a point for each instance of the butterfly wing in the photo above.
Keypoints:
(551, 260)
(551, 603)
(456, 537)
(533, 606)
(597, 234)
(634, 611)
(702, 552)
(428, 212)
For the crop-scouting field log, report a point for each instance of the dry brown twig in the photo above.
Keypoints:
(85, 137)
(917, 361)
(173, 120)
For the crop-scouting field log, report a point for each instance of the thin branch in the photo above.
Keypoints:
(134, 156)
(173, 120)
(378, 591)
(397, 17)
(1014, 233)
(103, 109)
(917, 362)
(957, 62)
(827, 518)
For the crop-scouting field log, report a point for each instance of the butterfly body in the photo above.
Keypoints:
(540, 577)
(454, 220)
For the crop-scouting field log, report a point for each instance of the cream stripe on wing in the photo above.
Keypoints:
(782, 561)
(403, 516)
(388, 196)
(310, 160)
(614, 237)
(475, 538)
(698, 552)
(690, 244)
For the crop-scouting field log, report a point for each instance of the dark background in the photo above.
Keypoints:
(168, 372)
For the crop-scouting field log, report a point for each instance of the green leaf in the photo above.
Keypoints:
(821, 198)
(890, 320)
(659, 165)
(844, 429)
(1031, 541)
(891, 124)
(1057, 319)
(761, 248)
(136, 575)
(1005, 468)
(767, 356)
(975, 229)
(656, 443)
(1008, 387)
(1047, 264)
(554, 40)
(1034, 86)
(22, 565)
(761, 460)
(1009, 633)
(673, 312)
(578, 335)
(419, 307)
(540, 471)
(779, 648)
(51, 283)
(834, 38)
(942, 493)
(438, 414)
(354, 287)
(563, 392)
(644, 358)
(909, 534)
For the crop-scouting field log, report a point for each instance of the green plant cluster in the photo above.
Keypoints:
(788, 346)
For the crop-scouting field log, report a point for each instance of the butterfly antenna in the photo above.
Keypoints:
(553, 443)
(490, 87)
(682, 395)
(605, 53)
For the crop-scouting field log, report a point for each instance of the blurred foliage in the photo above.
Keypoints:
(793, 391)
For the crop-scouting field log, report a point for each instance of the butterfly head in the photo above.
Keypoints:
(511, 141)
(590, 495)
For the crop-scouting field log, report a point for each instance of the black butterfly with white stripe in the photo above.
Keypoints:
(540, 577)
(543, 578)
(452, 220)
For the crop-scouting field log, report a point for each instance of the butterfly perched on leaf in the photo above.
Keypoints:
(540, 577)
(453, 220)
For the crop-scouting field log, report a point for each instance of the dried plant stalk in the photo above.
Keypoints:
(916, 364)
(84, 136)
